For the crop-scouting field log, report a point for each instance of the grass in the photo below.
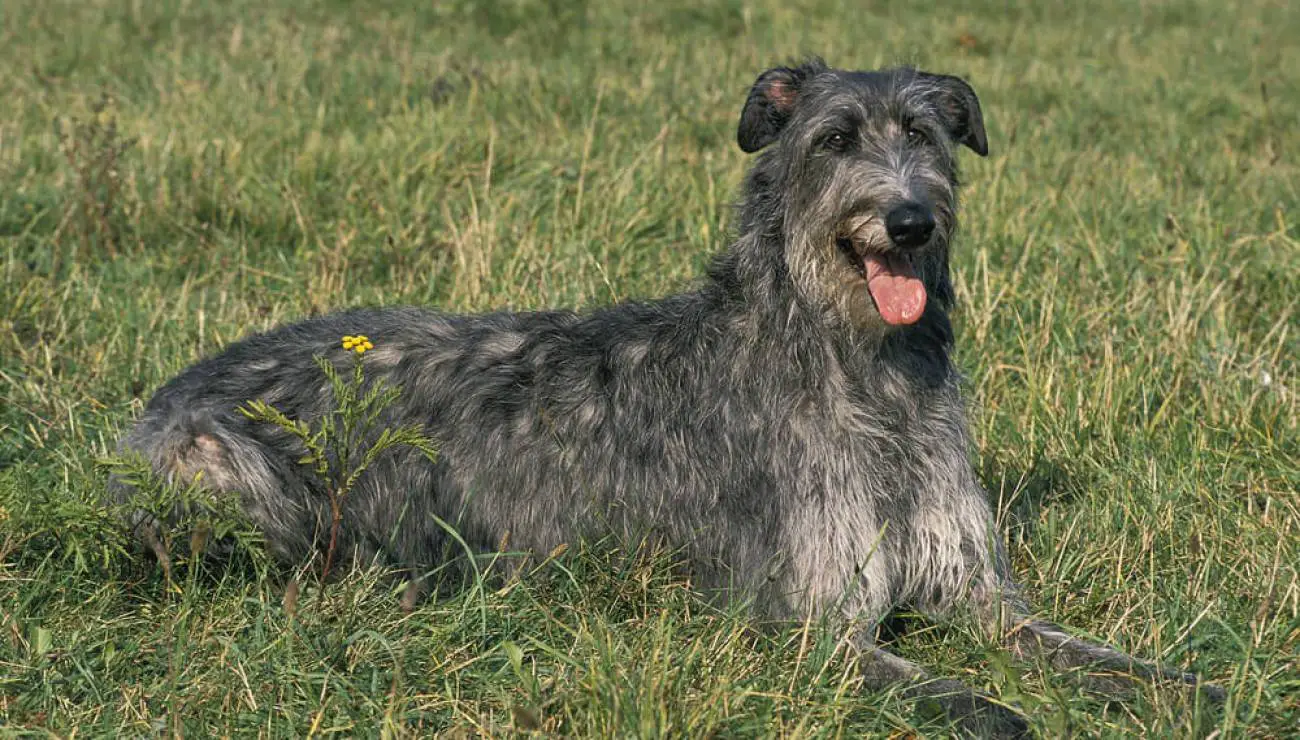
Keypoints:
(180, 174)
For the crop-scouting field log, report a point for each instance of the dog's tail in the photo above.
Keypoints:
(181, 470)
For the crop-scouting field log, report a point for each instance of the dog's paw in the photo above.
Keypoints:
(1212, 693)
(970, 713)
(1122, 686)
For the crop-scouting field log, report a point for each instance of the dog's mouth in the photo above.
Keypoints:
(891, 280)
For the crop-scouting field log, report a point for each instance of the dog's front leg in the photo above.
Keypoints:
(1102, 668)
(971, 713)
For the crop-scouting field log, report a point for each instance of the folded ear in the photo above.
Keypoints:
(771, 101)
(960, 109)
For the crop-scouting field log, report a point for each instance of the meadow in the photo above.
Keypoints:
(176, 175)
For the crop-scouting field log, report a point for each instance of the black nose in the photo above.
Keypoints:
(910, 225)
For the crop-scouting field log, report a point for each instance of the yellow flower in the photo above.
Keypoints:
(359, 344)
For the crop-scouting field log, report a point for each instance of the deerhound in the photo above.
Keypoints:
(792, 425)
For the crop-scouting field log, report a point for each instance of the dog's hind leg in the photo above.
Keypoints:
(971, 713)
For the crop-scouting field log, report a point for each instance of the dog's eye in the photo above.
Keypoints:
(916, 137)
(835, 142)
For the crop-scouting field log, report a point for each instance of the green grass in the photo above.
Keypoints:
(1128, 273)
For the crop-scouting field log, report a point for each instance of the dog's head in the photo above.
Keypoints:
(858, 180)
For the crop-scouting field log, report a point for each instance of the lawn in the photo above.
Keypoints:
(179, 174)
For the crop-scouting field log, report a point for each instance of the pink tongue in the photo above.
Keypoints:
(898, 292)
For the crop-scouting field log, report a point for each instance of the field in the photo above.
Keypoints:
(179, 174)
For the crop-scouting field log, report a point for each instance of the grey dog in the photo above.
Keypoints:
(792, 426)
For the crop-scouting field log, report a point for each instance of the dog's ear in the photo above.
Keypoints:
(771, 101)
(960, 109)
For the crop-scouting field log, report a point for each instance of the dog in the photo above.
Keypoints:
(792, 425)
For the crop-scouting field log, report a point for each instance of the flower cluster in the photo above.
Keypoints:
(358, 344)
